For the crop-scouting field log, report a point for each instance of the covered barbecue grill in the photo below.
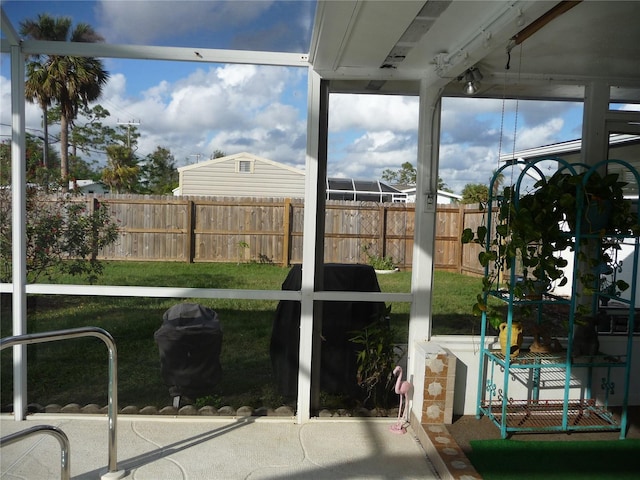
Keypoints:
(338, 364)
(190, 341)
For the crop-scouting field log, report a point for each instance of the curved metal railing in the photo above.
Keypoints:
(65, 449)
(113, 375)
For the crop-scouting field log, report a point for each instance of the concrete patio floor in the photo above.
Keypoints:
(193, 448)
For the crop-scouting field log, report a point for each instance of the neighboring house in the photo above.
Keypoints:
(363, 191)
(241, 175)
(444, 198)
(247, 175)
(87, 186)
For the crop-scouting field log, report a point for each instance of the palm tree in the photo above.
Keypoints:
(69, 81)
(39, 87)
(121, 172)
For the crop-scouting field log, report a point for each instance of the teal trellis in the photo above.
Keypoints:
(608, 386)
(491, 388)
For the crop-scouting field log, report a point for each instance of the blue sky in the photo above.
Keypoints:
(194, 109)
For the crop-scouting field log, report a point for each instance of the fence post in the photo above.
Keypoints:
(94, 206)
(461, 220)
(383, 229)
(286, 228)
(190, 232)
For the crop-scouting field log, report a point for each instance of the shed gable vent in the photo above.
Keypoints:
(244, 166)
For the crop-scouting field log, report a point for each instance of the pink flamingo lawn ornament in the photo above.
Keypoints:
(403, 389)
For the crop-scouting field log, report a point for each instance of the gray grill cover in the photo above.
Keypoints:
(190, 342)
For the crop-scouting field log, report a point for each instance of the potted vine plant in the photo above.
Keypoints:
(533, 230)
(605, 214)
(528, 237)
(604, 208)
(600, 276)
(608, 290)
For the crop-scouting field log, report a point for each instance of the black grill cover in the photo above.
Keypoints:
(190, 341)
(338, 366)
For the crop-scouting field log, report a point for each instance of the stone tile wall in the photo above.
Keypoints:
(439, 386)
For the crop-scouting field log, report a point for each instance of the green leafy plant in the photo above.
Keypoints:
(605, 214)
(601, 278)
(63, 236)
(528, 236)
(603, 196)
(262, 258)
(270, 396)
(376, 261)
(376, 359)
(209, 400)
(533, 230)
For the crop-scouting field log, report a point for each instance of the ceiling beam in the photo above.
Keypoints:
(142, 52)
(485, 36)
(541, 21)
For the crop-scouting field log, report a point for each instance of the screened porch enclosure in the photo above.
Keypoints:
(584, 51)
(363, 191)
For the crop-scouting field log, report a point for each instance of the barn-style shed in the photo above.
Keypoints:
(241, 175)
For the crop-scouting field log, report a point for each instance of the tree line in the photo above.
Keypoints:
(63, 237)
(65, 88)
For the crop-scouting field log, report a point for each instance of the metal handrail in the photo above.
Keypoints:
(106, 337)
(65, 465)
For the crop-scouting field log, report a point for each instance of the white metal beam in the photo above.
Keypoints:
(145, 52)
(312, 247)
(19, 231)
(425, 221)
(188, 292)
(595, 139)
(7, 28)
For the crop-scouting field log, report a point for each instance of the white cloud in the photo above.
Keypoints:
(149, 22)
(231, 108)
(33, 114)
(461, 164)
(630, 107)
(370, 154)
(369, 134)
(475, 132)
(116, 86)
(373, 112)
(542, 134)
(235, 76)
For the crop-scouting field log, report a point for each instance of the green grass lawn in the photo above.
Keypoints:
(77, 370)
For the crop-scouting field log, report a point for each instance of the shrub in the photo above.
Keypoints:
(63, 236)
(376, 261)
(376, 358)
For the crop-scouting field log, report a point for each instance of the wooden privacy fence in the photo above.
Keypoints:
(216, 229)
